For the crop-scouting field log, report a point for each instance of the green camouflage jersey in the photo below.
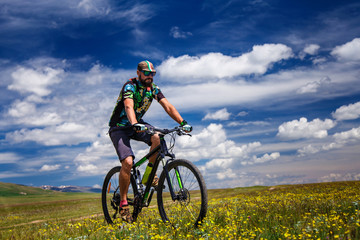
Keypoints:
(142, 97)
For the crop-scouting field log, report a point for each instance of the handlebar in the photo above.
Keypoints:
(165, 131)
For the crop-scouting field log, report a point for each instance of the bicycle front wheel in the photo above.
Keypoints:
(190, 194)
(110, 195)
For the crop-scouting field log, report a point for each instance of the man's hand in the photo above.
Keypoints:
(186, 127)
(138, 127)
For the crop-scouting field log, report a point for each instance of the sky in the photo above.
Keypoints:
(271, 88)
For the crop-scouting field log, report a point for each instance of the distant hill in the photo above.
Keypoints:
(11, 189)
(72, 189)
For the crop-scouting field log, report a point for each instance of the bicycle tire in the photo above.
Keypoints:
(110, 194)
(191, 204)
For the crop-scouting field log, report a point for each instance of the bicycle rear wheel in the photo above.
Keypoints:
(190, 191)
(110, 195)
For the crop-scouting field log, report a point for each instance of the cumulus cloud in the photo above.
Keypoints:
(217, 65)
(35, 81)
(334, 177)
(266, 157)
(352, 134)
(349, 112)
(47, 168)
(350, 51)
(221, 114)
(78, 111)
(311, 49)
(224, 154)
(312, 87)
(340, 139)
(98, 158)
(301, 128)
(176, 32)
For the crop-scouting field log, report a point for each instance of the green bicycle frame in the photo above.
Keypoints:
(161, 151)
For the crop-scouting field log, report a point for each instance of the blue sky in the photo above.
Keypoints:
(270, 87)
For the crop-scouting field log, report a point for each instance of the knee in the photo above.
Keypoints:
(155, 139)
(127, 163)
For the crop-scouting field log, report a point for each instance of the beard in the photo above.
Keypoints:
(147, 81)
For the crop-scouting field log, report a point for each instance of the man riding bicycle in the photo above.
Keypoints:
(134, 100)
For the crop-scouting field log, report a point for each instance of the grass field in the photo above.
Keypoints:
(310, 211)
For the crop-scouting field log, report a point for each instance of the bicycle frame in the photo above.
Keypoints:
(161, 152)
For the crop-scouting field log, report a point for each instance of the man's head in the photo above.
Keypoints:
(145, 72)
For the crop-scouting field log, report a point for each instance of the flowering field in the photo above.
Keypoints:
(310, 211)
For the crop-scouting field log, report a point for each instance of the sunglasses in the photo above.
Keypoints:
(148, 73)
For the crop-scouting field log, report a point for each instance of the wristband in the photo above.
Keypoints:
(183, 123)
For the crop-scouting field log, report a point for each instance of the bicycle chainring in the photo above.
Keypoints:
(137, 206)
(115, 201)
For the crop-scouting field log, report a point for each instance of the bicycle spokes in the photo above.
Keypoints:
(186, 203)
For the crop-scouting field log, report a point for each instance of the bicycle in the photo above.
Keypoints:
(181, 190)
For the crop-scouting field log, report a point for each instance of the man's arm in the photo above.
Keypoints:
(129, 109)
(171, 110)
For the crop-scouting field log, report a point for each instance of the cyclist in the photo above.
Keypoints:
(134, 100)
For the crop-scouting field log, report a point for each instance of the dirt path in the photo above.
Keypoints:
(52, 219)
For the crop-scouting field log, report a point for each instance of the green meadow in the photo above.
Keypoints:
(308, 211)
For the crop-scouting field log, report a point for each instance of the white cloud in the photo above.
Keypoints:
(349, 112)
(21, 109)
(267, 89)
(226, 156)
(47, 168)
(341, 139)
(94, 7)
(242, 114)
(98, 158)
(217, 65)
(311, 49)
(26, 80)
(353, 134)
(8, 157)
(350, 51)
(88, 168)
(332, 177)
(256, 123)
(64, 134)
(219, 163)
(226, 174)
(312, 87)
(301, 128)
(25, 113)
(55, 14)
(221, 114)
(266, 157)
(176, 32)
(309, 149)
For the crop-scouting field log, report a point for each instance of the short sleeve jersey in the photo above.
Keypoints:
(142, 97)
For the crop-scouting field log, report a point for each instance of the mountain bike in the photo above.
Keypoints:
(181, 190)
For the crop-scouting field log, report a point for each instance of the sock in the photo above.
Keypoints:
(123, 203)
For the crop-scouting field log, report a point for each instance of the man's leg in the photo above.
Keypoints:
(124, 177)
(155, 141)
(124, 182)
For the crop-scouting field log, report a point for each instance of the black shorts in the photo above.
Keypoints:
(120, 136)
